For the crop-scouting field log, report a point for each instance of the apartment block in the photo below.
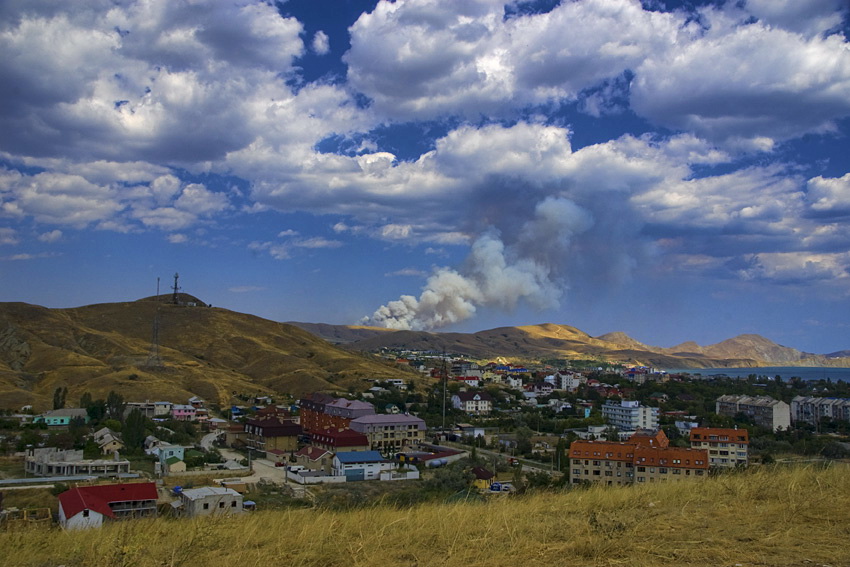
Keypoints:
(627, 463)
(811, 410)
(320, 412)
(727, 448)
(630, 415)
(763, 410)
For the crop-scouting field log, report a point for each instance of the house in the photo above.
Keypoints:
(208, 500)
(88, 506)
(360, 465)
(763, 410)
(50, 461)
(62, 417)
(183, 412)
(173, 465)
(483, 478)
(390, 432)
(475, 403)
(107, 441)
(727, 448)
(314, 459)
(272, 433)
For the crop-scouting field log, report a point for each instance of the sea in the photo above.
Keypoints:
(786, 372)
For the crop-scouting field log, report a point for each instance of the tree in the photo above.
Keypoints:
(115, 405)
(59, 395)
(134, 430)
(523, 440)
(96, 411)
(86, 400)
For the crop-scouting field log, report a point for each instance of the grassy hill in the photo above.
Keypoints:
(770, 517)
(562, 341)
(210, 352)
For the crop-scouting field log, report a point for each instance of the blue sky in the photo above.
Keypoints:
(674, 170)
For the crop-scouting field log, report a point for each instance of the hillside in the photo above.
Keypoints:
(210, 352)
(772, 517)
(534, 342)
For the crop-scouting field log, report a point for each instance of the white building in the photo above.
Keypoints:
(630, 415)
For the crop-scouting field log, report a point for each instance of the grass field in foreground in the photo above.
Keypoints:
(796, 515)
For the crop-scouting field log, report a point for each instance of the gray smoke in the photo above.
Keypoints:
(496, 274)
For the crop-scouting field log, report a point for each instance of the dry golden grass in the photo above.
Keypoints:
(790, 516)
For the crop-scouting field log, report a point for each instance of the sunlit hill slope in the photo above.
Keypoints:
(211, 352)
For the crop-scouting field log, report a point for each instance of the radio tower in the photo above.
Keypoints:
(175, 289)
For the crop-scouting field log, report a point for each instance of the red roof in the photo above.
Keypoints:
(98, 498)
(344, 438)
(312, 453)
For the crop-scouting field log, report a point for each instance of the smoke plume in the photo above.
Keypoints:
(496, 274)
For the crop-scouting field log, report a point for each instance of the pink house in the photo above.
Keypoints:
(183, 412)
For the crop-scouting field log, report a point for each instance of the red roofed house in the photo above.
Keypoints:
(314, 459)
(87, 506)
(272, 433)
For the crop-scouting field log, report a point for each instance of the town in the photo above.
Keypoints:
(464, 429)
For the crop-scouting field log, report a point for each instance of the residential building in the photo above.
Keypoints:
(107, 441)
(390, 432)
(183, 412)
(475, 403)
(727, 448)
(360, 465)
(808, 409)
(629, 415)
(88, 506)
(314, 459)
(616, 463)
(763, 410)
(62, 417)
(335, 441)
(208, 500)
(483, 478)
(321, 411)
(50, 461)
(272, 433)
(151, 410)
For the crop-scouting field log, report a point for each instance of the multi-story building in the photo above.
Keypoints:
(272, 434)
(727, 448)
(475, 403)
(763, 410)
(390, 432)
(629, 462)
(335, 441)
(809, 409)
(320, 412)
(629, 415)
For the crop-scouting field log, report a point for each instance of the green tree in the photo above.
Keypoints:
(86, 400)
(96, 411)
(115, 406)
(134, 430)
(59, 395)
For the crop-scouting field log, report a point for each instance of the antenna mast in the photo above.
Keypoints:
(175, 289)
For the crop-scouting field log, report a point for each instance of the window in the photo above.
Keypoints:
(233, 504)
(221, 504)
(206, 505)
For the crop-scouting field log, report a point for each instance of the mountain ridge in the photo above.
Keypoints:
(549, 340)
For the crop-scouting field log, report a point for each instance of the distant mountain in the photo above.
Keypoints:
(210, 352)
(562, 341)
